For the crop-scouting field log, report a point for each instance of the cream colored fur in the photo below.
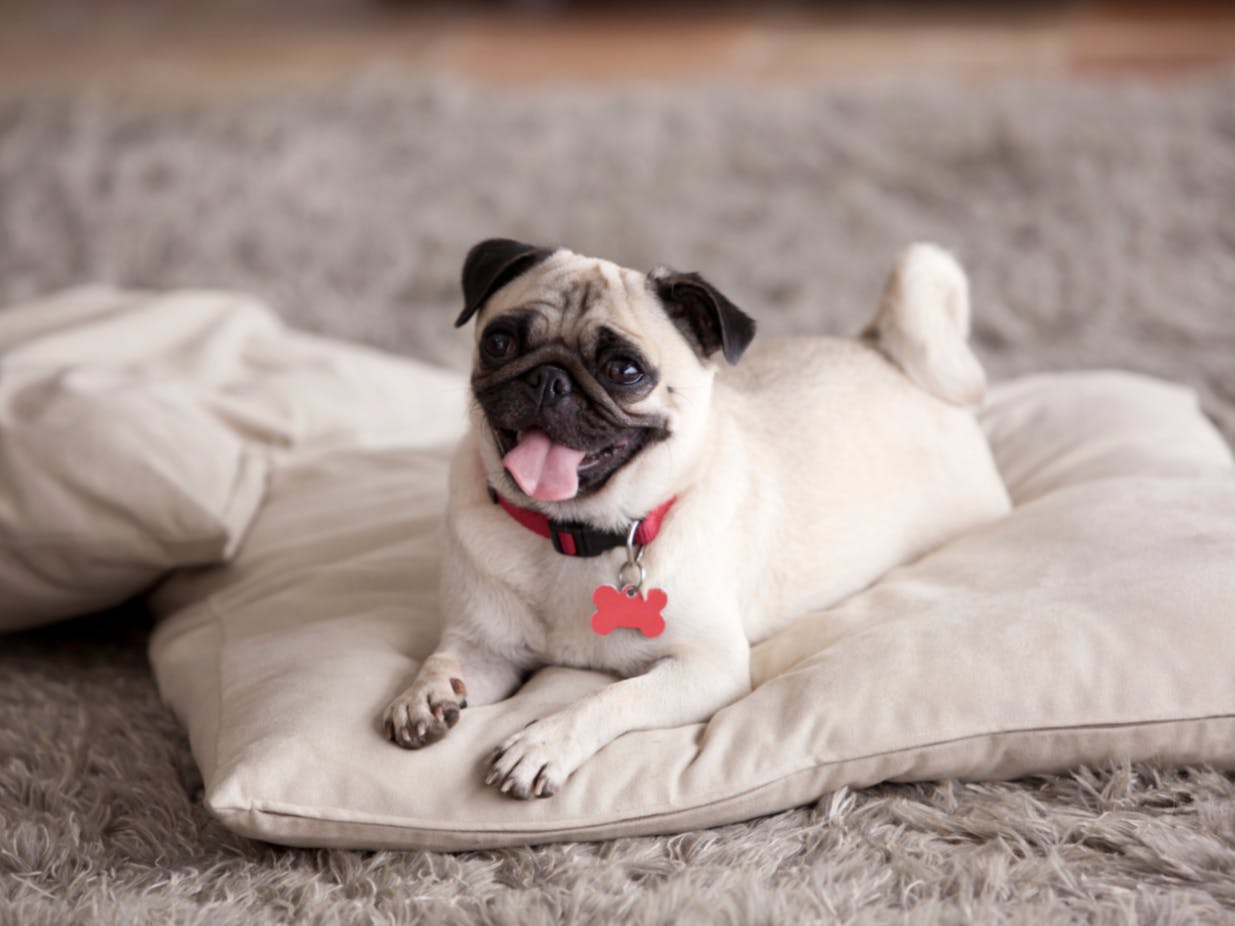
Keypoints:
(923, 325)
(802, 474)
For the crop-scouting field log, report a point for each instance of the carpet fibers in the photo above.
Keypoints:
(1097, 221)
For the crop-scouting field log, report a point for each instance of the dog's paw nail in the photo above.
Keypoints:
(421, 729)
(545, 784)
(541, 786)
(491, 777)
(404, 737)
(507, 785)
(389, 729)
(457, 686)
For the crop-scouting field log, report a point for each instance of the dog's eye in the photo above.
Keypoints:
(498, 345)
(623, 371)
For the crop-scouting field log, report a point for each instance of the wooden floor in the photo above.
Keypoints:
(193, 49)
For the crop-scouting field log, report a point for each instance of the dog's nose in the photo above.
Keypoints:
(550, 384)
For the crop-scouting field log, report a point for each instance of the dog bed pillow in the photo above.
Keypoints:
(1093, 622)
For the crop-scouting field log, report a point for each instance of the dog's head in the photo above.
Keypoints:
(592, 381)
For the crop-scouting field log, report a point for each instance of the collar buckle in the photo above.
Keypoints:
(574, 539)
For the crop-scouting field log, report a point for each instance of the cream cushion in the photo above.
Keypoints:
(1092, 623)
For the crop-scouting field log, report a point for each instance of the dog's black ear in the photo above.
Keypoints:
(708, 319)
(492, 264)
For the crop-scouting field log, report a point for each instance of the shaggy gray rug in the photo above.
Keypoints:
(1098, 222)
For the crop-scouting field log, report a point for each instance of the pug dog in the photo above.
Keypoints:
(644, 492)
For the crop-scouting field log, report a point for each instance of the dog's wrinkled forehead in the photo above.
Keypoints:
(568, 297)
(563, 294)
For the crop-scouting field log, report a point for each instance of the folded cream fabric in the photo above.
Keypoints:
(1094, 622)
(110, 475)
(138, 431)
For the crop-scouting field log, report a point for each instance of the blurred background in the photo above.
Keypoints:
(190, 49)
(338, 157)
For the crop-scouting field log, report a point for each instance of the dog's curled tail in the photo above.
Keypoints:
(923, 324)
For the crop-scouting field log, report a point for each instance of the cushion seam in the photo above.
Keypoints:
(220, 627)
(275, 808)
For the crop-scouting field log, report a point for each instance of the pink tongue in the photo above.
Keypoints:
(543, 469)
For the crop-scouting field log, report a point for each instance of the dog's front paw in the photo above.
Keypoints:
(425, 712)
(533, 762)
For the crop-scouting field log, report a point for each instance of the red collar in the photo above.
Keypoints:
(574, 538)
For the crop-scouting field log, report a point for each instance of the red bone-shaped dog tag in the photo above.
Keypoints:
(626, 607)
